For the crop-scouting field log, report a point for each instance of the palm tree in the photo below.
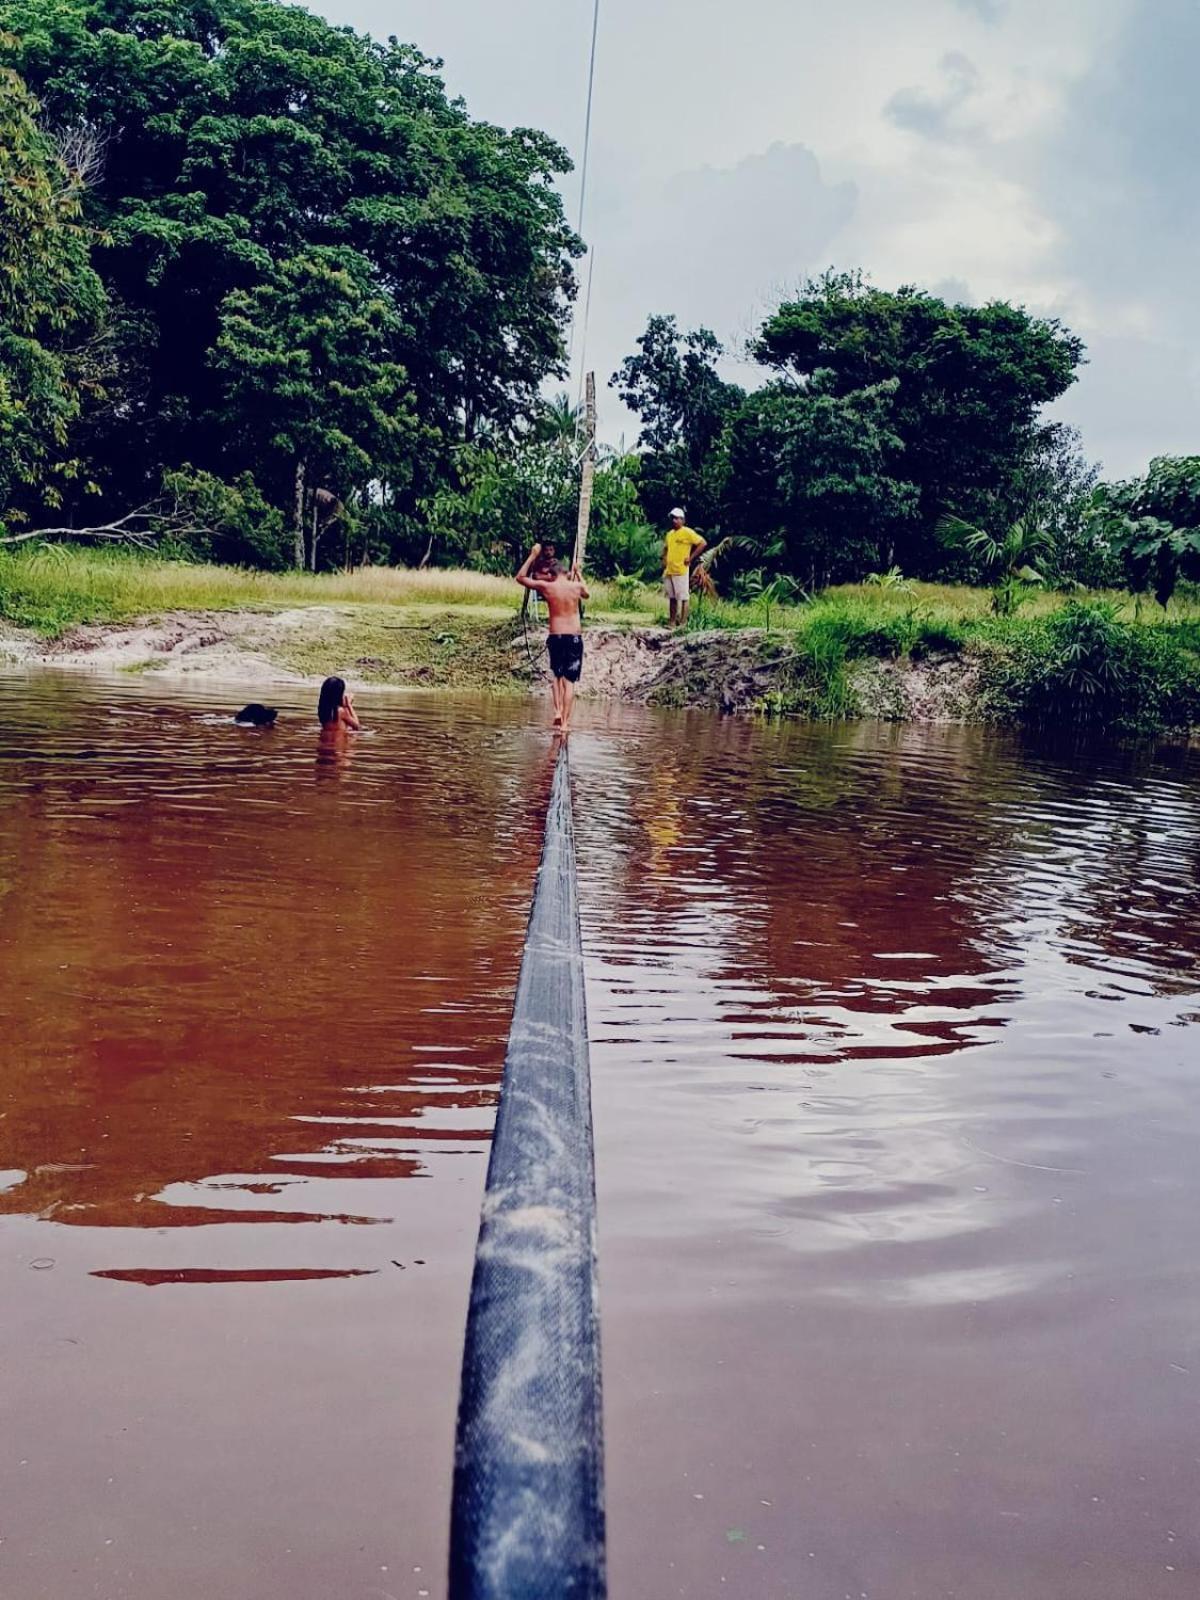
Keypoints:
(770, 592)
(558, 423)
(1007, 557)
(702, 578)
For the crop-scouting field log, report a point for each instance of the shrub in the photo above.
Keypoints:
(1154, 524)
(859, 629)
(706, 613)
(625, 548)
(937, 634)
(627, 592)
(236, 524)
(1087, 668)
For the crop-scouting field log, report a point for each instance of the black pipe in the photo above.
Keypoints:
(527, 1521)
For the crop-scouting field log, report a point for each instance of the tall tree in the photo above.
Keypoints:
(1153, 524)
(312, 396)
(813, 474)
(673, 385)
(242, 134)
(1055, 491)
(49, 301)
(558, 421)
(970, 384)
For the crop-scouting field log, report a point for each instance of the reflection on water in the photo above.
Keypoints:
(211, 966)
(896, 1110)
(897, 1106)
(240, 1001)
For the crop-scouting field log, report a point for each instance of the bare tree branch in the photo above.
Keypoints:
(141, 528)
(126, 537)
(82, 149)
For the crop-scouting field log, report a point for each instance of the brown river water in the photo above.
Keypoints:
(897, 1101)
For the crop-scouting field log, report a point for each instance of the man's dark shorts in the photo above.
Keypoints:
(566, 655)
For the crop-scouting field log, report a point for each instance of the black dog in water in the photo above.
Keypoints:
(256, 716)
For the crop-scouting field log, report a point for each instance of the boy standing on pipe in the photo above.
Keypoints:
(562, 591)
(680, 548)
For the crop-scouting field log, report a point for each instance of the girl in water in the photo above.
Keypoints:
(335, 708)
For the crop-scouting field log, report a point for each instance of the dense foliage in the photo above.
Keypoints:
(1087, 668)
(503, 499)
(50, 302)
(809, 480)
(884, 412)
(969, 382)
(684, 406)
(262, 280)
(1153, 525)
(319, 269)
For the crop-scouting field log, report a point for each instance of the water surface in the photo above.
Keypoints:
(895, 1064)
(894, 1060)
(256, 994)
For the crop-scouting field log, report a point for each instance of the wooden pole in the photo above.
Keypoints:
(588, 474)
(298, 520)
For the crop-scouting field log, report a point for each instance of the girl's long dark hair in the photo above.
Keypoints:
(333, 691)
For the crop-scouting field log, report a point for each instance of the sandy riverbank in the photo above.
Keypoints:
(419, 647)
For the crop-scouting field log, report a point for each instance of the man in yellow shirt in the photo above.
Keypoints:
(680, 548)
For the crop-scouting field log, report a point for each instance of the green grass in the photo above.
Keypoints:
(957, 602)
(1102, 659)
(1090, 666)
(418, 646)
(57, 587)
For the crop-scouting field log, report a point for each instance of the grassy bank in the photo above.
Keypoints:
(55, 588)
(1102, 659)
(1099, 659)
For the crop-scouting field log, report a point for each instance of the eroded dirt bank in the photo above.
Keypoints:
(721, 670)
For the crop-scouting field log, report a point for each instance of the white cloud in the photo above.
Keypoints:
(730, 234)
(949, 220)
(712, 246)
(1041, 153)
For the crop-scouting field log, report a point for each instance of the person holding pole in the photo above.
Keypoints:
(680, 548)
(562, 591)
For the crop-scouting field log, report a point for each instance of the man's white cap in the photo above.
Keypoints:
(677, 511)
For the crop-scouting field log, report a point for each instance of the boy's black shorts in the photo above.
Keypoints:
(566, 655)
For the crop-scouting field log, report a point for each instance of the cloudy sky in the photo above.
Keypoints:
(1043, 151)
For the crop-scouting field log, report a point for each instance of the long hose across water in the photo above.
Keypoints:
(527, 1521)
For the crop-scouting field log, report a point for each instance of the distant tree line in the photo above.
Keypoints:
(880, 413)
(896, 433)
(268, 295)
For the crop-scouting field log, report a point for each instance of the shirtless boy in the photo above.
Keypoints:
(562, 591)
